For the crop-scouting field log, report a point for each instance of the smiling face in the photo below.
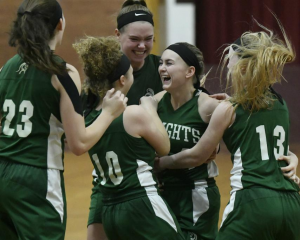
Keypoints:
(136, 42)
(172, 70)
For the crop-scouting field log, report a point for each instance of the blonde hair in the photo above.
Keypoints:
(262, 56)
(100, 56)
(133, 5)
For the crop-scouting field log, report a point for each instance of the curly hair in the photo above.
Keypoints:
(133, 5)
(100, 56)
(32, 32)
(262, 56)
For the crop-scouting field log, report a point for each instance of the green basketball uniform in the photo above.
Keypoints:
(191, 193)
(31, 124)
(255, 142)
(124, 166)
(146, 80)
(31, 154)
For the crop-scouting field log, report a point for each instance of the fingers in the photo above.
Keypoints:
(297, 180)
(125, 100)
(121, 96)
(110, 93)
(219, 96)
(290, 175)
(284, 158)
(118, 94)
(286, 169)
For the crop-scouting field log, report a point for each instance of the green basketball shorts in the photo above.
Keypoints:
(33, 204)
(261, 214)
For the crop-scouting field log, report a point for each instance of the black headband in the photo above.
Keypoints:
(121, 69)
(236, 42)
(187, 55)
(53, 19)
(56, 16)
(237, 49)
(134, 16)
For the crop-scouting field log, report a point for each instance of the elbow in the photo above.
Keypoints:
(78, 149)
(164, 149)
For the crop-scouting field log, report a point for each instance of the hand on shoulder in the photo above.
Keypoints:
(149, 103)
(114, 103)
(206, 106)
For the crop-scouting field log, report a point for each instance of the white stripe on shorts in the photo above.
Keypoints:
(200, 200)
(228, 208)
(54, 191)
(160, 208)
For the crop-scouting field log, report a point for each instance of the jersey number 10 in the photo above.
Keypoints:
(114, 170)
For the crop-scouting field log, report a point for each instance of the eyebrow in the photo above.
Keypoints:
(166, 60)
(134, 36)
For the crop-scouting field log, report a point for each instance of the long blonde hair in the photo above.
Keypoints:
(262, 56)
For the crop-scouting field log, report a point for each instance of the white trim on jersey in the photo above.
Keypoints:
(94, 174)
(212, 169)
(200, 199)
(236, 172)
(54, 149)
(144, 174)
(54, 192)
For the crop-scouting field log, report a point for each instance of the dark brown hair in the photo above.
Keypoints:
(31, 32)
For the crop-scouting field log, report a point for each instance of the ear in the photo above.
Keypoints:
(122, 80)
(190, 72)
(117, 33)
(59, 26)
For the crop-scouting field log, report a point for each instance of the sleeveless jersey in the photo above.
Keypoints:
(184, 127)
(31, 123)
(146, 80)
(122, 162)
(255, 142)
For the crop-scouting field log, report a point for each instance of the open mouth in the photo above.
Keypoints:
(139, 53)
(166, 79)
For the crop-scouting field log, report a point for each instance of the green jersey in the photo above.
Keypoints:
(31, 123)
(185, 127)
(122, 162)
(255, 142)
(146, 80)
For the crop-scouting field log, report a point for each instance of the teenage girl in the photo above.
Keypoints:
(128, 201)
(254, 124)
(39, 102)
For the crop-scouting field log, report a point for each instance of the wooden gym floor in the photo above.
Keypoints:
(78, 180)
